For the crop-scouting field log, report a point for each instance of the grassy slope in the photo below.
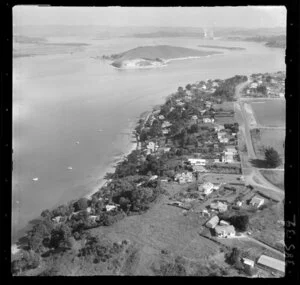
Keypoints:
(275, 177)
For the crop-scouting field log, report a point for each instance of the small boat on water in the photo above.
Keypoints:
(100, 130)
(35, 179)
(77, 142)
(70, 167)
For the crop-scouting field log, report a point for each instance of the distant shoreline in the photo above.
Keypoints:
(221, 47)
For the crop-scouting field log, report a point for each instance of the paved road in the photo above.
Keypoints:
(264, 245)
(255, 177)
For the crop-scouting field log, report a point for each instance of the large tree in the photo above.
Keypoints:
(272, 157)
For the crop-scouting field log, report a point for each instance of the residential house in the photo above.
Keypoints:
(225, 231)
(221, 207)
(88, 209)
(188, 93)
(57, 219)
(185, 177)
(219, 128)
(271, 263)
(239, 203)
(93, 218)
(166, 124)
(217, 160)
(231, 149)
(254, 85)
(208, 120)
(202, 112)
(152, 146)
(161, 117)
(165, 149)
(165, 131)
(224, 223)
(224, 139)
(197, 161)
(257, 202)
(212, 222)
(205, 213)
(180, 104)
(248, 263)
(153, 177)
(227, 157)
(199, 168)
(195, 118)
(215, 84)
(208, 104)
(110, 207)
(206, 188)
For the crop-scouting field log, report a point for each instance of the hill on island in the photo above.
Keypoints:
(161, 52)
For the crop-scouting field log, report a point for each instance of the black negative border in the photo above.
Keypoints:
(292, 120)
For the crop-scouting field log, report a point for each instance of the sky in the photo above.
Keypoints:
(248, 17)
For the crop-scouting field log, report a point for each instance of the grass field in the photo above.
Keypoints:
(265, 226)
(275, 177)
(163, 227)
(269, 138)
(269, 113)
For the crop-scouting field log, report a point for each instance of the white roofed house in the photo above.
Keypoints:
(212, 222)
(202, 112)
(153, 177)
(152, 146)
(110, 207)
(225, 231)
(57, 219)
(248, 263)
(257, 202)
(207, 188)
(218, 127)
(207, 120)
(227, 157)
(185, 177)
(197, 161)
(166, 124)
(194, 118)
(93, 218)
(161, 117)
(180, 104)
(221, 207)
(254, 85)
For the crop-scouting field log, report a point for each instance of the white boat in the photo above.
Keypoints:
(70, 167)
(100, 130)
(35, 179)
(77, 142)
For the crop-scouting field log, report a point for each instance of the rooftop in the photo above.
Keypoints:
(272, 262)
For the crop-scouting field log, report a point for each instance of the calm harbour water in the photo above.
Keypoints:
(61, 99)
